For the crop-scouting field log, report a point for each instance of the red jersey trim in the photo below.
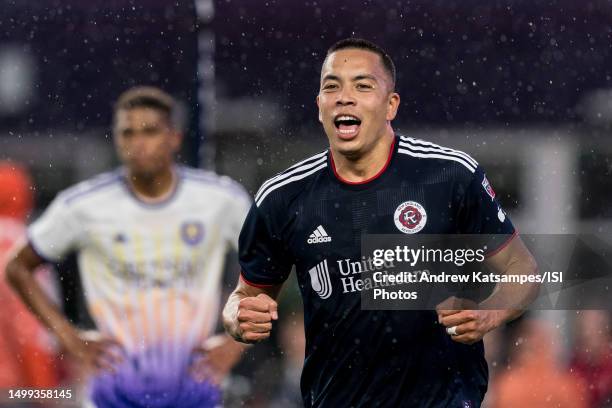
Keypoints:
(374, 177)
(257, 285)
(502, 246)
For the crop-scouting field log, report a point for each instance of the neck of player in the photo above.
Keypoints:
(367, 164)
(153, 188)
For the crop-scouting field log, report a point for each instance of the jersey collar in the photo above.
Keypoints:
(367, 182)
(154, 204)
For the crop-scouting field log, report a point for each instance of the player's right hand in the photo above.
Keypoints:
(255, 316)
(94, 351)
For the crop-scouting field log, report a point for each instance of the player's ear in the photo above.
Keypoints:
(392, 106)
(319, 106)
(116, 139)
(176, 140)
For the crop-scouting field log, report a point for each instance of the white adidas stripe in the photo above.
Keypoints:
(439, 150)
(428, 150)
(308, 161)
(322, 231)
(311, 158)
(259, 200)
(416, 142)
(317, 233)
(413, 142)
(446, 148)
(438, 156)
(322, 157)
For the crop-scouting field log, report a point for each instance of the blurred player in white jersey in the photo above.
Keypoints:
(151, 239)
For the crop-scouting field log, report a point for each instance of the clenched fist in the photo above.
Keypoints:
(254, 318)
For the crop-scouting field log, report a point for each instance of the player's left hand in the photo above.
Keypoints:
(470, 324)
(215, 358)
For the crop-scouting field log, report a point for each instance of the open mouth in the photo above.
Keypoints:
(347, 125)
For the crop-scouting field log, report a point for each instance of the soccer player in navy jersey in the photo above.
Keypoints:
(372, 181)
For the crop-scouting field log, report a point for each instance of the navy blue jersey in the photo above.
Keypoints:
(308, 217)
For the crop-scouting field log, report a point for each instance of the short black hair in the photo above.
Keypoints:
(362, 44)
(147, 97)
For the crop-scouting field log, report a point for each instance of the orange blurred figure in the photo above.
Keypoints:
(592, 359)
(25, 350)
(534, 378)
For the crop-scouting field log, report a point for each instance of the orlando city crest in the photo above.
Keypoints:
(192, 232)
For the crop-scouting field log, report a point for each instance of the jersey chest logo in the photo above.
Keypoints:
(192, 232)
(410, 217)
(319, 235)
(320, 280)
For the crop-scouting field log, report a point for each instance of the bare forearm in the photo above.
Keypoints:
(507, 302)
(230, 312)
(510, 300)
(30, 292)
(249, 312)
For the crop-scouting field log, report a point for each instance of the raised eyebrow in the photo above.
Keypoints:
(330, 77)
(365, 76)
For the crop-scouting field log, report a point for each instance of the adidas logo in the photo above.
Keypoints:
(319, 235)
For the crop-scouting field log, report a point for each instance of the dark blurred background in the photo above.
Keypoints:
(524, 87)
(247, 73)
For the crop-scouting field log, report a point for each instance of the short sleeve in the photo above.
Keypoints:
(481, 213)
(56, 232)
(263, 257)
(237, 208)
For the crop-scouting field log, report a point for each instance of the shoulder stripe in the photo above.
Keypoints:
(88, 188)
(200, 174)
(458, 154)
(437, 156)
(209, 178)
(259, 199)
(426, 150)
(315, 158)
(229, 188)
(322, 158)
(418, 142)
(308, 160)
